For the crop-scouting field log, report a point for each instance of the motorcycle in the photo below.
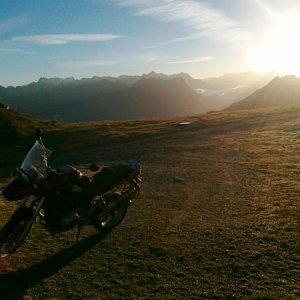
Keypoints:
(64, 198)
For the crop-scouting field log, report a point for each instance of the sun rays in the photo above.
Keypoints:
(281, 49)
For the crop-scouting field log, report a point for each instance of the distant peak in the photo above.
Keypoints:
(285, 79)
(290, 77)
(175, 82)
(184, 74)
(55, 80)
(152, 73)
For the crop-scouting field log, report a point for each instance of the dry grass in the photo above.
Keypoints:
(229, 230)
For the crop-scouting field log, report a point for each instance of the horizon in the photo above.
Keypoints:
(86, 38)
(257, 73)
(153, 71)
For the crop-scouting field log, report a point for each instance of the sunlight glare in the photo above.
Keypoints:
(281, 50)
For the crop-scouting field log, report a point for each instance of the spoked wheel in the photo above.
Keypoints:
(14, 232)
(107, 221)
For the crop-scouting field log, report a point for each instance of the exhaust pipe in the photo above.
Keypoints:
(125, 197)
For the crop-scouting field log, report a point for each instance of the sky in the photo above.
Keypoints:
(205, 38)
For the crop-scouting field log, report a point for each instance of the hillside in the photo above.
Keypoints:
(17, 132)
(230, 230)
(279, 92)
(238, 80)
(154, 98)
(14, 125)
(230, 88)
(73, 101)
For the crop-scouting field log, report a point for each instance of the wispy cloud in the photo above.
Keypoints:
(13, 50)
(193, 60)
(200, 18)
(13, 23)
(60, 39)
(88, 63)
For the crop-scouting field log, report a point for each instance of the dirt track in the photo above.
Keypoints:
(229, 230)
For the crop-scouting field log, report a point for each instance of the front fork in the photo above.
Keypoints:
(35, 208)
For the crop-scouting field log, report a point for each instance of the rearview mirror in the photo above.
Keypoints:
(38, 133)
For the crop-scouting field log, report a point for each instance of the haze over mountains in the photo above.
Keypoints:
(280, 91)
(90, 100)
(147, 96)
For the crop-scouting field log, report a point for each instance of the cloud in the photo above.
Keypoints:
(200, 18)
(193, 60)
(13, 50)
(274, 16)
(60, 39)
(13, 23)
(88, 63)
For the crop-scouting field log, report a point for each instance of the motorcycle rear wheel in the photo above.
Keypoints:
(15, 231)
(106, 222)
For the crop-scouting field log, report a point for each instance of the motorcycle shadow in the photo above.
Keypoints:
(13, 285)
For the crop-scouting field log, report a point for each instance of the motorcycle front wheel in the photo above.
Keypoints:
(107, 221)
(15, 231)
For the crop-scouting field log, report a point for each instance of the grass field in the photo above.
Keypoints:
(229, 230)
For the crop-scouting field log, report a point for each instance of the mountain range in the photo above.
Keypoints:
(98, 99)
(147, 96)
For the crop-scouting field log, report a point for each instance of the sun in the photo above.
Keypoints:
(281, 50)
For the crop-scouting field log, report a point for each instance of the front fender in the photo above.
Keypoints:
(22, 213)
(16, 190)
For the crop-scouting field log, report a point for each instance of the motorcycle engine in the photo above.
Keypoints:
(61, 210)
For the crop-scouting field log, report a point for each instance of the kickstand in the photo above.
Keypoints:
(78, 234)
